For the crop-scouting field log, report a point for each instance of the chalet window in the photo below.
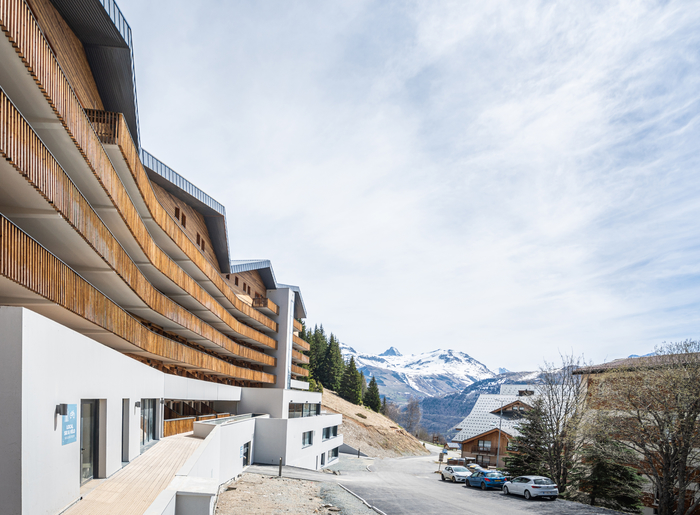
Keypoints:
(177, 213)
(483, 460)
(235, 281)
(248, 290)
(484, 445)
(245, 287)
(183, 221)
(198, 239)
(203, 246)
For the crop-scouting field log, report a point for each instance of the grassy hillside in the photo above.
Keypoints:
(373, 433)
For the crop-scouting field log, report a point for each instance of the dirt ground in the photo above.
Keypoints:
(374, 434)
(254, 494)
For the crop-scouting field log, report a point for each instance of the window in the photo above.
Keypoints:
(298, 410)
(483, 460)
(203, 245)
(484, 445)
(235, 281)
(248, 290)
(245, 287)
(177, 213)
(307, 439)
(323, 459)
(330, 432)
(184, 220)
(333, 454)
(199, 240)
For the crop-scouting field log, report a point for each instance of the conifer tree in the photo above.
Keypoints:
(528, 454)
(371, 397)
(364, 384)
(333, 366)
(384, 405)
(318, 345)
(350, 386)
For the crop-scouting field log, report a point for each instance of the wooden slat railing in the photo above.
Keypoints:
(206, 417)
(264, 302)
(23, 149)
(173, 230)
(17, 22)
(297, 325)
(301, 343)
(299, 357)
(223, 415)
(300, 371)
(28, 264)
(169, 413)
(178, 426)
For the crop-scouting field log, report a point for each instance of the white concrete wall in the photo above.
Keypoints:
(184, 388)
(284, 298)
(309, 457)
(274, 401)
(270, 442)
(10, 408)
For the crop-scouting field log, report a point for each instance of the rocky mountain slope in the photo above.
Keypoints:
(374, 434)
(429, 374)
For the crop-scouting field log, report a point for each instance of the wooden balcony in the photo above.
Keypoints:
(300, 344)
(298, 357)
(488, 451)
(266, 306)
(35, 52)
(29, 265)
(297, 325)
(298, 371)
(17, 142)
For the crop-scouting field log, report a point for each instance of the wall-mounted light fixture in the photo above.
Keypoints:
(162, 401)
(62, 409)
(137, 404)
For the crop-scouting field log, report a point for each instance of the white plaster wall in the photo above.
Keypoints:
(305, 457)
(11, 407)
(262, 400)
(284, 298)
(62, 366)
(270, 442)
(184, 388)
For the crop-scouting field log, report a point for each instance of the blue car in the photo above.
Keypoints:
(486, 479)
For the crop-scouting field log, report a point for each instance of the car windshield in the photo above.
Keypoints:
(545, 481)
(494, 474)
(459, 469)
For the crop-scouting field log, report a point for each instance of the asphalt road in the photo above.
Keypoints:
(406, 486)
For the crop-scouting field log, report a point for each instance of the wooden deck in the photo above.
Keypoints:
(132, 490)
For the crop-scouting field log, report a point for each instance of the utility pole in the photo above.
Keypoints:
(500, 422)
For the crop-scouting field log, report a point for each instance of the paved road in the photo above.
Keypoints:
(406, 486)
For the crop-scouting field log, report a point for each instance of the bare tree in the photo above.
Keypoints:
(561, 402)
(652, 406)
(411, 415)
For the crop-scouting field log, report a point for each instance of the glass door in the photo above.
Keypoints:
(88, 440)
(148, 421)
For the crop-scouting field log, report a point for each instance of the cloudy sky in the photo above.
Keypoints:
(508, 179)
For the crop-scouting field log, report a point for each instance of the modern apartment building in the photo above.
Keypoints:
(123, 318)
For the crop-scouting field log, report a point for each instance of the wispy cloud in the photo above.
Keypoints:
(507, 179)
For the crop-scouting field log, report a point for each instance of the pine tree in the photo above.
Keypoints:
(318, 346)
(350, 386)
(528, 454)
(605, 479)
(333, 366)
(371, 397)
(384, 405)
(364, 384)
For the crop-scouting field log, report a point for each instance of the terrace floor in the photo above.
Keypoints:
(132, 490)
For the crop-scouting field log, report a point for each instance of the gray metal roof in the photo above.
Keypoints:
(263, 267)
(106, 36)
(214, 213)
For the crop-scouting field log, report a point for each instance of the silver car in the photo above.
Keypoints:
(455, 473)
(532, 486)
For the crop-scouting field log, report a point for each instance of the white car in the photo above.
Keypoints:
(532, 486)
(456, 474)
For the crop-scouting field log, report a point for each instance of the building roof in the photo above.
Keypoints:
(213, 212)
(262, 266)
(637, 363)
(299, 307)
(106, 36)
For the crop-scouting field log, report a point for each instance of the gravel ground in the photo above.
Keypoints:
(257, 494)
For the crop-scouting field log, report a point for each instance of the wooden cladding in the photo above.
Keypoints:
(299, 371)
(297, 325)
(299, 357)
(301, 343)
(69, 52)
(17, 22)
(27, 154)
(25, 262)
(178, 426)
(265, 303)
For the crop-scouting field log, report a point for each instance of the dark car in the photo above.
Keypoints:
(486, 479)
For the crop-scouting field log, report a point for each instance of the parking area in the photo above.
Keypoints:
(406, 486)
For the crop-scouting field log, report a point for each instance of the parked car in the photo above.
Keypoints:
(486, 479)
(455, 474)
(532, 486)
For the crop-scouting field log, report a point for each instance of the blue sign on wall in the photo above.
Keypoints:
(70, 425)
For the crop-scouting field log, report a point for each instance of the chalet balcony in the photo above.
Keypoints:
(266, 306)
(298, 357)
(300, 344)
(298, 371)
(489, 451)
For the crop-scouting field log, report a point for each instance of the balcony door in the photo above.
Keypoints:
(88, 439)
(148, 421)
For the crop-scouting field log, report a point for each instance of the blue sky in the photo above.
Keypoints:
(508, 179)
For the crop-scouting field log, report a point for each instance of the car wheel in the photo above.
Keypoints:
(453, 479)
(527, 495)
(483, 486)
(442, 476)
(505, 490)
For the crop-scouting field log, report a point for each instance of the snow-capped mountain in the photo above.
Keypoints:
(429, 374)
